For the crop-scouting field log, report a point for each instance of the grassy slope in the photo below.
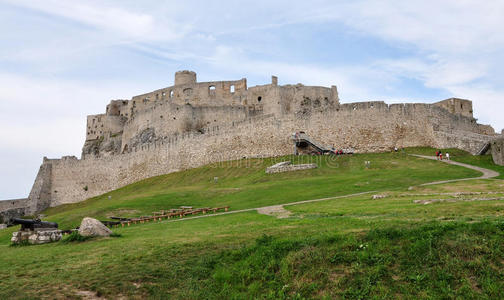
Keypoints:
(484, 161)
(244, 184)
(350, 247)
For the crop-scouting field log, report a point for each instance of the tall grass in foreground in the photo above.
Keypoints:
(436, 261)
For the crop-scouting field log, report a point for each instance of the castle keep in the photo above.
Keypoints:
(194, 123)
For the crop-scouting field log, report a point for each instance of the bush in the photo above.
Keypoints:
(75, 237)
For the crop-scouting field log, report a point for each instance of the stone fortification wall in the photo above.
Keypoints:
(457, 106)
(386, 127)
(169, 119)
(12, 209)
(197, 93)
(192, 123)
(190, 106)
(41, 193)
(498, 151)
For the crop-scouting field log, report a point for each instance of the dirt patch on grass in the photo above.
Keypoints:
(429, 201)
(276, 211)
(122, 212)
(88, 295)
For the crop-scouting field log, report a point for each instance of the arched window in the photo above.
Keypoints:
(259, 99)
(211, 90)
(171, 93)
(232, 88)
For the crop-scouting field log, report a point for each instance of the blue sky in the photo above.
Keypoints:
(63, 60)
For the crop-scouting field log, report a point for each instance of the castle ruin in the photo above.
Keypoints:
(194, 123)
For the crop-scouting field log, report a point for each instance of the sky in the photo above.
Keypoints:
(63, 60)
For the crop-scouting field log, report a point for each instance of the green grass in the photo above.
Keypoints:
(244, 184)
(484, 161)
(353, 247)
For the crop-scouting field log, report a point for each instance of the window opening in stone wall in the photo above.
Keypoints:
(259, 99)
(232, 89)
(163, 94)
(211, 90)
(157, 96)
(171, 94)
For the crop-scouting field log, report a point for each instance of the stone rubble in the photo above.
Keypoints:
(286, 166)
(36, 237)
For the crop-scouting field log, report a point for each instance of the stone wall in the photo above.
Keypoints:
(386, 127)
(457, 106)
(41, 193)
(36, 237)
(498, 151)
(12, 209)
(195, 123)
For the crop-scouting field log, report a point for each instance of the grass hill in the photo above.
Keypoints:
(353, 247)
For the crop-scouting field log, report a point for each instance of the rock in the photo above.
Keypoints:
(375, 197)
(93, 227)
(3, 226)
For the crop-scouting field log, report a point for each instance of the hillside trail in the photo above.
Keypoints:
(279, 210)
(487, 174)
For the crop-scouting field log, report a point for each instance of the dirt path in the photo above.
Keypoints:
(280, 212)
(486, 172)
(268, 210)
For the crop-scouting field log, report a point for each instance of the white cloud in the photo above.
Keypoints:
(49, 114)
(104, 17)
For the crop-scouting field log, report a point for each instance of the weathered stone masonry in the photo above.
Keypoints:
(498, 151)
(194, 123)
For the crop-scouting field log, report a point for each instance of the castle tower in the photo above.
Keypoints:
(185, 77)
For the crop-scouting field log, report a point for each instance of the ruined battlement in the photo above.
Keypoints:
(194, 123)
(457, 106)
(190, 105)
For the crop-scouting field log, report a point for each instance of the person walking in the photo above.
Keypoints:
(447, 156)
(440, 155)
